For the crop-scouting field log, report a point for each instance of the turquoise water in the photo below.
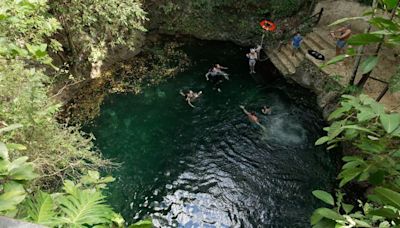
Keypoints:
(208, 166)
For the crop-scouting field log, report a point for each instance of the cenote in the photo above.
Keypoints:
(208, 166)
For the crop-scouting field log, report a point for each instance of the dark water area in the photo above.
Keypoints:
(208, 166)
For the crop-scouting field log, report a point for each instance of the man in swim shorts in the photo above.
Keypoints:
(251, 115)
(216, 75)
(341, 39)
(296, 42)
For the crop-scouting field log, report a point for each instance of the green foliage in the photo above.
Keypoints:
(94, 27)
(375, 138)
(386, 31)
(13, 176)
(24, 26)
(60, 152)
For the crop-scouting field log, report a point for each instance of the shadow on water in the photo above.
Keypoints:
(208, 166)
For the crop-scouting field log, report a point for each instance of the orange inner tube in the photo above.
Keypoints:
(268, 25)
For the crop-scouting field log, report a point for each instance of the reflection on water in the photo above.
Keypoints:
(208, 166)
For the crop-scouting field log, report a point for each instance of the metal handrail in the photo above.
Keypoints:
(317, 15)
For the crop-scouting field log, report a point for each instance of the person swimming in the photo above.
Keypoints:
(216, 75)
(217, 70)
(266, 110)
(190, 96)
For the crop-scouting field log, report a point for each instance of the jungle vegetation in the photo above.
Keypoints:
(369, 137)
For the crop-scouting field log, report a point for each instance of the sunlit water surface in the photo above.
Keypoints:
(208, 166)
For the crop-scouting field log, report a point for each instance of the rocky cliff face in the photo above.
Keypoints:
(229, 20)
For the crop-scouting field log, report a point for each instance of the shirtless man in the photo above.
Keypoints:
(191, 96)
(341, 39)
(217, 70)
(251, 115)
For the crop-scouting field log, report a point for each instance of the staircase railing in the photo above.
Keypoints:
(304, 23)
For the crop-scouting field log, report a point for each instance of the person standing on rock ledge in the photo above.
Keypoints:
(253, 57)
(341, 40)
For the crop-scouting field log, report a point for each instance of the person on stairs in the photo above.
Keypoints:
(296, 42)
(341, 39)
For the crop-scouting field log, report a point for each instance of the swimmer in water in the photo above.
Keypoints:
(266, 110)
(190, 96)
(252, 117)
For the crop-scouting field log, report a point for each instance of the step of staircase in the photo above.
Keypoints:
(323, 39)
(296, 59)
(277, 63)
(285, 60)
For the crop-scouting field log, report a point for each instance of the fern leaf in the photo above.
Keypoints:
(40, 209)
(84, 208)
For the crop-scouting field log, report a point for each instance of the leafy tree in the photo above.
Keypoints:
(373, 134)
(90, 28)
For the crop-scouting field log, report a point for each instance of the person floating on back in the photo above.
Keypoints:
(216, 75)
(253, 57)
(296, 42)
(341, 39)
(190, 96)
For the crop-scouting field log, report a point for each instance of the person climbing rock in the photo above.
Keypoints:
(341, 39)
(296, 42)
(190, 96)
(266, 110)
(253, 57)
(216, 75)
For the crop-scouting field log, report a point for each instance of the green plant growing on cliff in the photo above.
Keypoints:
(373, 134)
(91, 28)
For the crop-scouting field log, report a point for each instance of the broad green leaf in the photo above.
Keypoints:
(334, 60)
(19, 169)
(324, 196)
(339, 112)
(391, 4)
(3, 151)
(361, 223)
(147, 223)
(322, 140)
(315, 218)
(365, 114)
(347, 178)
(13, 194)
(364, 39)
(384, 212)
(329, 214)
(388, 196)
(347, 207)
(368, 64)
(390, 121)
